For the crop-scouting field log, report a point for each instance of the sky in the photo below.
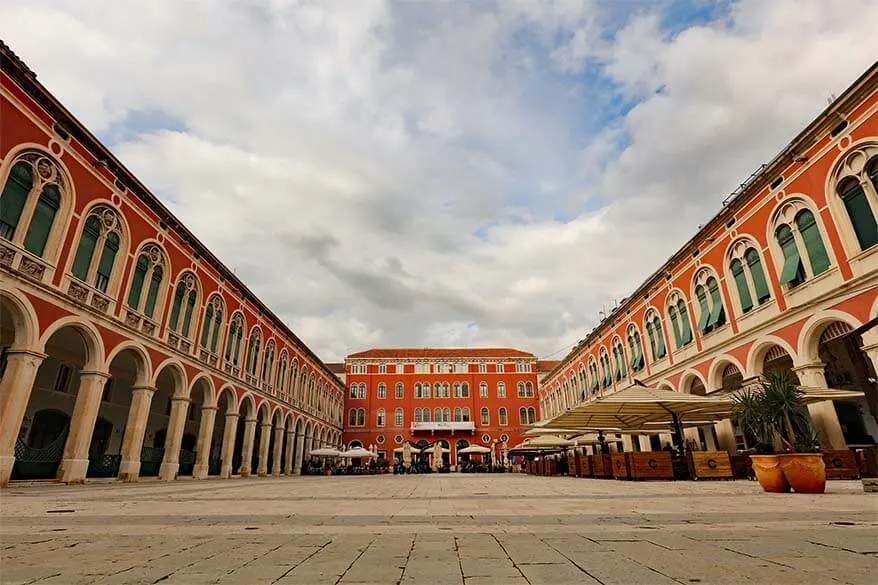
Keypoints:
(443, 173)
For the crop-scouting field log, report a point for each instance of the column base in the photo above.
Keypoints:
(225, 472)
(200, 471)
(129, 470)
(72, 471)
(262, 472)
(275, 474)
(7, 462)
(168, 471)
(244, 471)
(297, 471)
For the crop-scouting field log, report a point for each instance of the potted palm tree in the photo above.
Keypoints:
(788, 449)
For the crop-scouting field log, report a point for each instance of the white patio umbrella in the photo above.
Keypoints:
(325, 452)
(358, 453)
(414, 450)
(474, 449)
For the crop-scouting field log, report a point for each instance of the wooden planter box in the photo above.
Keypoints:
(620, 466)
(585, 463)
(841, 465)
(575, 465)
(711, 465)
(650, 465)
(742, 467)
(553, 467)
(601, 465)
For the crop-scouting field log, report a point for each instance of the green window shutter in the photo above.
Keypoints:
(652, 345)
(717, 311)
(675, 326)
(792, 262)
(137, 282)
(153, 294)
(660, 338)
(686, 329)
(14, 197)
(632, 363)
(231, 341)
(704, 323)
(758, 275)
(813, 242)
(737, 269)
(175, 308)
(238, 340)
(190, 308)
(205, 328)
(249, 358)
(108, 259)
(217, 320)
(860, 214)
(41, 223)
(91, 231)
(622, 366)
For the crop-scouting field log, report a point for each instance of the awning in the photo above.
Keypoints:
(325, 452)
(474, 449)
(357, 453)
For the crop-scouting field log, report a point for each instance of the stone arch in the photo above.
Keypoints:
(178, 372)
(717, 368)
(228, 392)
(666, 385)
(208, 389)
(145, 375)
(25, 324)
(690, 380)
(247, 406)
(118, 272)
(849, 165)
(93, 343)
(809, 336)
(760, 347)
(263, 410)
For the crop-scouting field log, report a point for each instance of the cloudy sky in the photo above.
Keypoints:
(435, 173)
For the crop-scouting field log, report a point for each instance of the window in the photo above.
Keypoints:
(531, 415)
(656, 337)
(62, 379)
(485, 417)
(746, 269)
(501, 390)
(446, 415)
(354, 390)
(593, 370)
(465, 416)
(446, 390)
(418, 415)
(522, 367)
(233, 343)
(185, 299)
(102, 231)
(358, 368)
(382, 390)
(710, 306)
(522, 416)
(520, 388)
(483, 368)
(679, 320)
(253, 352)
(352, 417)
(483, 389)
(800, 243)
(361, 417)
(606, 378)
(461, 368)
(147, 278)
(457, 389)
(464, 390)
(268, 363)
(426, 415)
(400, 368)
(361, 391)
(858, 191)
(379, 417)
(457, 415)
(635, 349)
(422, 368)
(213, 320)
(398, 417)
(501, 416)
(437, 414)
(399, 390)
(24, 221)
(382, 369)
(528, 390)
(501, 368)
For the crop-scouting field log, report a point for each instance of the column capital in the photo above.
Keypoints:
(213, 408)
(94, 374)
(25, 353)
(870, 347)
(180, 399)
(234, 414)
(253, 420)
(150, 389)
(809, 366)
(266, 424)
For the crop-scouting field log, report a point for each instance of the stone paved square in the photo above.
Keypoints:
(435, 529)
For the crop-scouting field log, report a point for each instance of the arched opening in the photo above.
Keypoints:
(298, 446)
(778, 361)
(128, 372)
(286, 461)
(263, 427)
(169, 383)
(245, 412)
(200, 397)
(225, 405)
(846, 367)
(462, 459)
(55, 388)
(274, 445)
(732, 378)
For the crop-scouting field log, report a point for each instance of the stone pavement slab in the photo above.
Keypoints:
(430, 530)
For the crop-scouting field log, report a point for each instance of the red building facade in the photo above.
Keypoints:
(128, 348)
(458, 397)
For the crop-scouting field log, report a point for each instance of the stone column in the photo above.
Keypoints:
(291, 442)
(278, 451)
(228, 452)
(870, 349)
(823, 414)
(708, 438)
(300, 447)
(644, 443)
(247, 447)
(264, 442)
(177, 423)
(628, 442)
(135, 428)
(205, 438)
(725, 434)
(74, 464)
(15, 389)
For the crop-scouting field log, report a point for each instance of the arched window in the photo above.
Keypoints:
(746, 269)
(800, 243)
(531, 415)
(268, 362)
(457, 389)
(418, 416)
(361, 391)
(399, 390)
(457, 417)
(593, 370)
(857, 188)
(426, 415)
(446, 389)
(352, 417)
(656, 338)
(147, 278)
(464, 390)
(437, 414)
(446, 415)
(185, 299)
(712, 314)
(501, 390)
(522, 416)
(418, 393)
(501, 416)
(606, 377)
(213, 320)
(398, 417)
(679, 320)
(31, 199)
(483, 389)
(382, 390)
(520, 388)
(465, 416)
(233, 343)
(101, 232)
(253, 344)
(485, 416)
(353, 392)
(282, 374)
(361, 417)
(619, 357)
(379, 417)
(635, 348)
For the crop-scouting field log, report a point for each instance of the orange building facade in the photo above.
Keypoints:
(783, 278)
(457, 397)
(128, 349)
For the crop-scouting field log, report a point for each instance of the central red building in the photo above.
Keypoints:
(458, 397)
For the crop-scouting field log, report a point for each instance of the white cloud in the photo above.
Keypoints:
(425, 174)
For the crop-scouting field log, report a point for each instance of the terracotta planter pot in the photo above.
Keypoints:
(769, 474)
(806, 472)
